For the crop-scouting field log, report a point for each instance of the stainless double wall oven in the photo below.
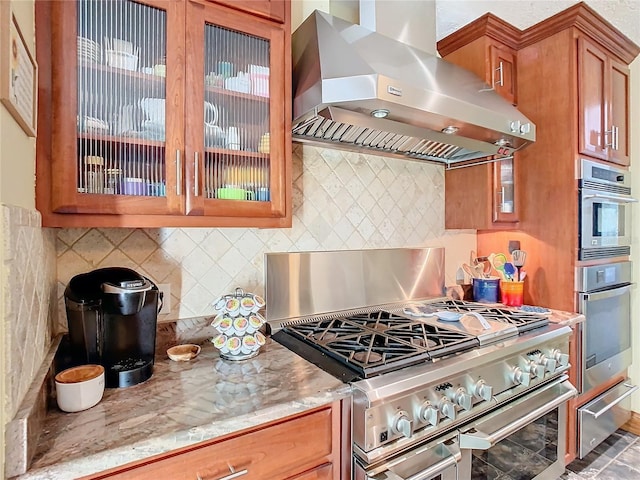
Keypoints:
(604, 297)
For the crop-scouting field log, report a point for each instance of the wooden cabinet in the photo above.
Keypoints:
(164, 113)
(272, 9)
(302, 447)
(502, 66)
(603, 93)
(484, 196)
(564, 80)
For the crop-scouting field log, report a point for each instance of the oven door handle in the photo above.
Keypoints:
(536, 405)
(633, 389)
(606, 293)
(610, 197)
(449, 455)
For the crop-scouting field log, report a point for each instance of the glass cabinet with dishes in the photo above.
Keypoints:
(166, 113)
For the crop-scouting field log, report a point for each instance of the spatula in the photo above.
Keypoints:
(519, 257)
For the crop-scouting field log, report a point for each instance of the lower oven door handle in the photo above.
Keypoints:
(449, 456)
(534, 406)
(633, 389)
(607, 293)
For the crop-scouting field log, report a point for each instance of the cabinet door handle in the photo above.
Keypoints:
(196, 187)
(233, 474)
(616, 132)
(178, 173)
(500, 71)
(612, 134)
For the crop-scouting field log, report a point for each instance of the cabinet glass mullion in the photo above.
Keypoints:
(121, 48)
(236, 115)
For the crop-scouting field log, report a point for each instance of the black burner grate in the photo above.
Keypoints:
(381, 341)
(524, 321)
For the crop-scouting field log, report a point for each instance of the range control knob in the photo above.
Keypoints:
(561, 358)
(549, 364)
(535, 369)
(519, 377)
(447, 408)
(483, 391)
(402, 424)
(463, 399)
(429, 413)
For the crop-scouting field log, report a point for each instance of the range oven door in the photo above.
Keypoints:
(523, 439)
(435, 460)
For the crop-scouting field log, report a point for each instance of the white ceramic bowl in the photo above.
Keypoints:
(79, 388)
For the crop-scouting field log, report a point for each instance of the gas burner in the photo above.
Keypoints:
(367, 357)
(324, 336)
(420, 342)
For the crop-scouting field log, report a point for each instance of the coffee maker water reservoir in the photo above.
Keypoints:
(112, 315)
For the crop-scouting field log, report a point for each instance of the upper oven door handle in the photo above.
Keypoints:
(614, 292)
(610, 197)
(515, 415)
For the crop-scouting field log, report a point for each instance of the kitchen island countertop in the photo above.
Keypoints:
(183, 403)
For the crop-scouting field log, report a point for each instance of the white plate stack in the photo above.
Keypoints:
(88, 50)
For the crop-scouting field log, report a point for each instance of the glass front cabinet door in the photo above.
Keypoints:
(168, 108)
(504, 208)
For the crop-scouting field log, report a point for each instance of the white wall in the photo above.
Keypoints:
(17, 180)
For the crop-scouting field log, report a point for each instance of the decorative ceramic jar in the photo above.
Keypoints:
(238, 322)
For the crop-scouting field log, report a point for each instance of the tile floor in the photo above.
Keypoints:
(617, 458)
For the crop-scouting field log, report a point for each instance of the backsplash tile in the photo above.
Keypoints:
(341, 200)
(28, 263)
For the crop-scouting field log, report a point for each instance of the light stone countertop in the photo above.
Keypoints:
(566, 318)
(182, 404)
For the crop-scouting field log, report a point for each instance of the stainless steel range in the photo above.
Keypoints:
(433, 379)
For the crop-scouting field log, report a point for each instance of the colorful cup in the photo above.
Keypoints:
(234, 193)
(263, 194)
(485, 290)
(512, 293)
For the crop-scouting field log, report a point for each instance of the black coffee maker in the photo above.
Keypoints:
(112, 315)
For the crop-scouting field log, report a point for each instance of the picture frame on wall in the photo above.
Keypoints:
(18, 72)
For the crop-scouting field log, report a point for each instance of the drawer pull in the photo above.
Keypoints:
(632, 389)
(233, 474)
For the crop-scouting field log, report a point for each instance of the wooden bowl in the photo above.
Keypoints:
(183, 353)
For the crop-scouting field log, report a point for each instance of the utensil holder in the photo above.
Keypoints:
(485, 290)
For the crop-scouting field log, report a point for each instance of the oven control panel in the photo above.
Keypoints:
(429, 407)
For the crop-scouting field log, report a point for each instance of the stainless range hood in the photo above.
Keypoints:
(356, 89)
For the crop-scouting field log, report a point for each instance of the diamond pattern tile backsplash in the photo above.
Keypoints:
(341, 200)
(28, 266)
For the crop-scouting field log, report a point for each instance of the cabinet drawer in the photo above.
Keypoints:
(324, 472)
(288, 449)
(603, 415)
